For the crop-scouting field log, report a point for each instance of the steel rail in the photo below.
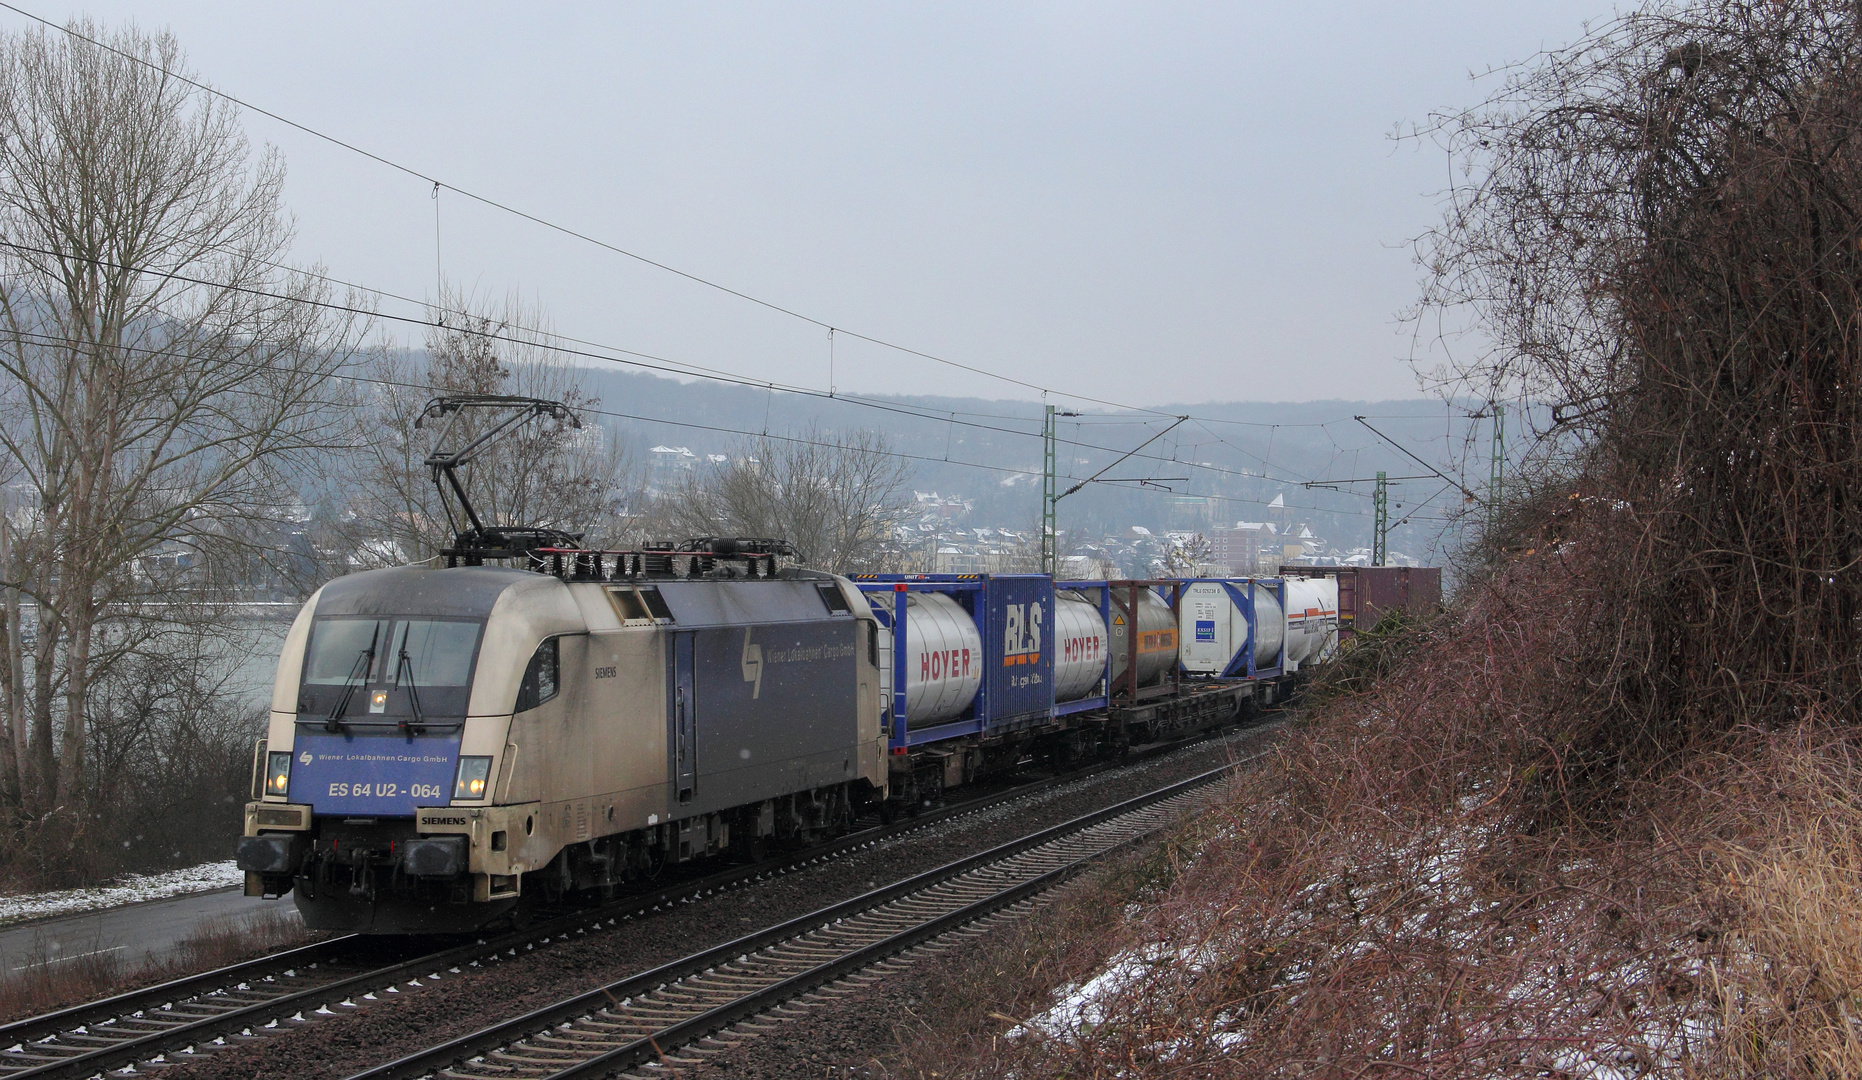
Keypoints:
(47, 1025)
(135, 1026)
(988, 886)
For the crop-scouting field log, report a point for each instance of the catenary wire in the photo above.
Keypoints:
(438, 184)
(630, 358)
(565, 230)
(51, 340)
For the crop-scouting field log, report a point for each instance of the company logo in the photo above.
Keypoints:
(1081, 648)
(434, 819)
(939, 663)
(1205, 630)
(753, 665)
(1021, 634)
(306, 757)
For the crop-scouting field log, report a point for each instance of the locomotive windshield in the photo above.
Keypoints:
(388, 667)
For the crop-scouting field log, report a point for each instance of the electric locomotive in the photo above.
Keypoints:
(444, 740)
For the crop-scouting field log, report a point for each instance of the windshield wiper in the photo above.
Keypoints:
(419, 723)
(358, 674)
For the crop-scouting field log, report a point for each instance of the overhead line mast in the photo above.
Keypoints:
(1049, 542)
(1496, 465)
(1380, 522)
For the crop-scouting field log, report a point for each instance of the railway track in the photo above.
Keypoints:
(260, 996)
(647, 1018)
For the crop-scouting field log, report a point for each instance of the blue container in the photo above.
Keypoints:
(1018, 655)
(1014, 617)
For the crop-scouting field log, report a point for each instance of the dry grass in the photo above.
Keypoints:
(1789, 981)
(45, 983)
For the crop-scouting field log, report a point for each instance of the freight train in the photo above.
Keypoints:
(445, 742)
(448, 746)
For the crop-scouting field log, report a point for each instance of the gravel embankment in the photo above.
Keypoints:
(897, 1029)
(416, 1018)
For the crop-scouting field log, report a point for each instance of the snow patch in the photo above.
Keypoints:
(129, 889)
(1665, 1037)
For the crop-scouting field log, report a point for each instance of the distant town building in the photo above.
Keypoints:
(1241, 547)
(666, 465)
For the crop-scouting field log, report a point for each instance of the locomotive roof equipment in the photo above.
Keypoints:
(481, 541)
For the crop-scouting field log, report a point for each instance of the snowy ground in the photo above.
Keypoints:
(132, 888)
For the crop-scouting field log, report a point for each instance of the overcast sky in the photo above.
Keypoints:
(1141, 202)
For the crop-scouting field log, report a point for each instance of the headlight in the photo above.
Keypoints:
(474, 772)
(277, 772)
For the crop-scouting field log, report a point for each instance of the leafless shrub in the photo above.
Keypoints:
(836, 496)
(1397, 892)
(1565, 831)
(1660, 233)
(1369, 657)
(1388, 896)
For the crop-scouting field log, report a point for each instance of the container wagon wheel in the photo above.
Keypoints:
(931, 790)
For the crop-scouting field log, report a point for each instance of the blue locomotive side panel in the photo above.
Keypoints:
(1018, 638)
(372, 774)
(775, 708)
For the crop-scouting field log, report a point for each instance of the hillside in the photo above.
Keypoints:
(1224, 466)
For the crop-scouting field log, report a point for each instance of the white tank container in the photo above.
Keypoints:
(1079, 647)
(943, 658)
(1312, 619)
(1213, 628)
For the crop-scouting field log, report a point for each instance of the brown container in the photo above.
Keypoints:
(1367, 593)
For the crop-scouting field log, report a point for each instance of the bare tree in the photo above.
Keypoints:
(551, 475)
(163, 368)
(836, 496)
(1189, 558)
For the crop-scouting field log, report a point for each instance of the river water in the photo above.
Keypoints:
(255, 636)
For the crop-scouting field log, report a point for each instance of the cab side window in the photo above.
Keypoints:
(541, 678)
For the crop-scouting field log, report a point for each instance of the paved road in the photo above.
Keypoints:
(132, 932)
